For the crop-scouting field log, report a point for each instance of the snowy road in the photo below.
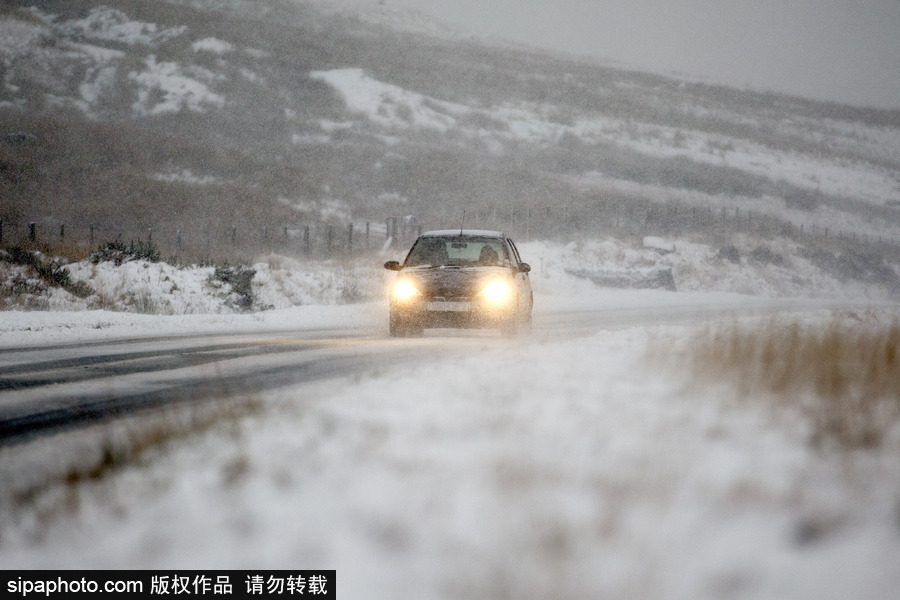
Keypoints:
(66, 386)
(70, 385)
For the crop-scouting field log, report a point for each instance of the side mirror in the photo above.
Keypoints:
(392, 265)
(524, 268)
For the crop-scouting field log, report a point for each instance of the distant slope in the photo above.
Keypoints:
(209, 117)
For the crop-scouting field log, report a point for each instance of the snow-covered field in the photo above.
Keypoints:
(548, 467)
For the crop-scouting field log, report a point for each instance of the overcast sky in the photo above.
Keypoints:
(842, 50)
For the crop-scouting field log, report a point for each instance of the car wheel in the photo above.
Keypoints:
(400, 327)
(510, 327)
(526, 324)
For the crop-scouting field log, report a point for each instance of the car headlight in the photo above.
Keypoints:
(404, 290)
(498, 292)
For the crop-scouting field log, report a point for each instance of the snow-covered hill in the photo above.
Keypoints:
(197, 120)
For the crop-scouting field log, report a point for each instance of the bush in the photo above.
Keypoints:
(49, 272)
(765, 256)
(730, 253)
(868, 267)
(118, 253)
(240, 278)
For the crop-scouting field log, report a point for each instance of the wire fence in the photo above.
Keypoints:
(211, 243)
(637, 218)
(208, 242)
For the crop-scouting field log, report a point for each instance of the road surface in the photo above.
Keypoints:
(47, 389)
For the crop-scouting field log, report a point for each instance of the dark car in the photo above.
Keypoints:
(460, 278)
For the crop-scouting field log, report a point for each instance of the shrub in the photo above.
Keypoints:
(118, 253)
(240, 278)
(764, 256)
(50, 272)
(730, 253)
(868, 267)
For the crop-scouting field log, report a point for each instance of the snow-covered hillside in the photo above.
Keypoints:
(395, 108)
(313, 116)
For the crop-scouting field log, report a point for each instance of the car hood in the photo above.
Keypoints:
(453, 282)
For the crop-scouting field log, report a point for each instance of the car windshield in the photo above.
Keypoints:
(457, 252)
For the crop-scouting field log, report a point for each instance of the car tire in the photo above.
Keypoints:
(510, 327)
(526, 324)
(400, 327)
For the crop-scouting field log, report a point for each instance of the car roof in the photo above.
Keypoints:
(464, 233)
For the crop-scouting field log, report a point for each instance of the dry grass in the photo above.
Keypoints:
(845, 374)
(129, 443)
(36, 492)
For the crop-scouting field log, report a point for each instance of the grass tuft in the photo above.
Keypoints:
(38, 499)
(845, 374)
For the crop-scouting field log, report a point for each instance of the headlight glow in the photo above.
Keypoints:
(497, 292)
(404, 290)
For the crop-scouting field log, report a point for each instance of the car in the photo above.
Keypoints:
(460, 278)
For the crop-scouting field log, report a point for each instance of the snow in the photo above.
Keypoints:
(109, 24)
(658, 243)
(186, 176)
(551, 467)
(18, 328)
(212, 45)
(390, 105)
(177, 89)
(16, 36)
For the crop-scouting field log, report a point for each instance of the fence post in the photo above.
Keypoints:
(329, 238)
(233, 234)
(306, 246)
(32, 231)
(1, 231)
(367, 233)
(92, 236)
